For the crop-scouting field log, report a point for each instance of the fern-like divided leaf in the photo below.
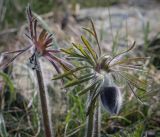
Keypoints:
(79, 80)
(90, 87)
(126, 51)
(88, 46)
(70, 72)
(84, 53)
(94, 34)
(129, 60)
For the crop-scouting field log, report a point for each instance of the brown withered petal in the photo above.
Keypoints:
(111, 98)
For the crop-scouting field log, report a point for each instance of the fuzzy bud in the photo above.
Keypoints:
(111, 97)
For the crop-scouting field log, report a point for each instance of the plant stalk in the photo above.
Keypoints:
(44, 104)
(90, 119)
(97, 120)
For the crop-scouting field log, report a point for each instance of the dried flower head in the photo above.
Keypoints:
(41, 44)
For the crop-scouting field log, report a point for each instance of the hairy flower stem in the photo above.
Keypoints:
(90, 118)
(44, 104)
(97, 119)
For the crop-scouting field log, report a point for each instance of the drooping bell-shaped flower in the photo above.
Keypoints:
(111, 97)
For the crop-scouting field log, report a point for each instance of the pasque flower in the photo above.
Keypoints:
(100, 72)
(41, 44)
(98, 67)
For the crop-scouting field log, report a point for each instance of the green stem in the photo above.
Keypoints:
(89, 126)
(97, 120)
(44, 104)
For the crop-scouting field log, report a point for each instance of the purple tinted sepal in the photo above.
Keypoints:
(111, 99)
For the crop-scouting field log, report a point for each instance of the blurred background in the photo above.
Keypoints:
(118, 22)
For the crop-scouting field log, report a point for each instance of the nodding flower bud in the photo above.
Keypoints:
(111, 98)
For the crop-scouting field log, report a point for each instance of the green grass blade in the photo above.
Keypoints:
(10, 84)
(3, 131)
(121, 117)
